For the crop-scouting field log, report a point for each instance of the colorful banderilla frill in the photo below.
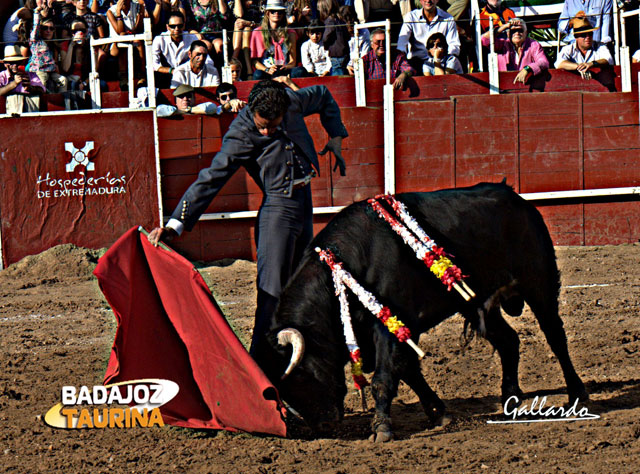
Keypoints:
(424, 247)
(342, 279)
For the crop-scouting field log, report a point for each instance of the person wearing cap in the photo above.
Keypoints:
(197, 72)
(273, 45)
(598, 12)
(270, 140)
(585, 53)
(185, 104)
(18, 85)
(517, 52)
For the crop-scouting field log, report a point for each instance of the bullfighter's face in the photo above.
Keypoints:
(266, 127)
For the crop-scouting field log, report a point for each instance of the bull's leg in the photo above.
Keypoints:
(507, 343)
(384, 384)
(431, 403)
(553, 330)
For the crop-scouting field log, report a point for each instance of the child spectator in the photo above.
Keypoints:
(335, 38)
(236, 69)
(348, 15)
(273, 45)
(227, 97)
(439, 62)
(315, 58)
(92, 22)
(45, 53)
(125, 18)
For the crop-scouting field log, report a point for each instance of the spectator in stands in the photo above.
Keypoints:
(636, 57)
(76, 56)
(598, 12)
(94, 26)
(22, 88)
(197, 72)
(440, 62)
(501, 16)
(273, 45)
(374, 62)
(236, 69)
(518, 52)
(125, 18)
(21, 15)
(210, 18)
(418, 27)
(227, 97)
(348, 15)
(380, 10)
(315, 58)
(45, 53)
(100, 6)
(171, 49)
(161, 13)
(247, 16)
(584, 54)
(185, 104)
(336, 36)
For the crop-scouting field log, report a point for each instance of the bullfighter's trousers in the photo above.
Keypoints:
(284, 229)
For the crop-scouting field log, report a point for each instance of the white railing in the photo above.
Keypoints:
(127, 42)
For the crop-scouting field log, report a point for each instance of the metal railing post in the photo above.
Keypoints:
(494, 75)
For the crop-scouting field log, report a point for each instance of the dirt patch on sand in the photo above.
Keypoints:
(58, 330)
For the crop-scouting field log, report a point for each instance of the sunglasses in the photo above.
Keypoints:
(78, 30)
(276, 12)
(48, 28)
(179, 25)
(517, 30)
(582, 35)
(227, 96)
(381, 42)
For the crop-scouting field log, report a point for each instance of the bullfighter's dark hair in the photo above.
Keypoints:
(269, 99)
(438, 36)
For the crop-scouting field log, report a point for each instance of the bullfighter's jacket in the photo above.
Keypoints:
(269, 160)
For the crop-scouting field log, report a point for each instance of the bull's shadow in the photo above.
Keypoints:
(409, 418)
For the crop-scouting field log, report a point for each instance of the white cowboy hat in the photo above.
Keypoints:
(12, 54)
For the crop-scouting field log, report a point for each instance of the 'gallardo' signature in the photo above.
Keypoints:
(544, 414)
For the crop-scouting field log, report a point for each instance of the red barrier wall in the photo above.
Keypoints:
(48, 198)
(538, 142)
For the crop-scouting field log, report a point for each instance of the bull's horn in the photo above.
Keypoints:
(293, 337)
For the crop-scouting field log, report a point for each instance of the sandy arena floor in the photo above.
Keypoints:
(58, 330)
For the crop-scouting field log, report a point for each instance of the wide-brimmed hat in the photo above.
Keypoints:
(581, 24)
(12, 54)
(275, 5)
(183, 89)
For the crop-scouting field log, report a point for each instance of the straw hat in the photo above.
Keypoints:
(274, 5)
(581, 24)
(12, 54)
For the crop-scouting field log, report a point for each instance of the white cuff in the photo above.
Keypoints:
(176, 225)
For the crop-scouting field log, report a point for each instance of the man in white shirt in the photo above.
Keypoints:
(197, 72)
(585, 53)
(419, 25)
(172, 50)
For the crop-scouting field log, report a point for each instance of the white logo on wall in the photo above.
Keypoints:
(78, 182)
(79, 156)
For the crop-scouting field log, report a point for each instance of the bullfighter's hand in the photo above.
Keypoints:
(335, 146)
(161, 234)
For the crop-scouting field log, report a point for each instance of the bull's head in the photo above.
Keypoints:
(304, 355)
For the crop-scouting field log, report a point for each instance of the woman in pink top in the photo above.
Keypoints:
(517, 52)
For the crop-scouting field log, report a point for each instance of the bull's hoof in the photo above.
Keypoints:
(442, 422)
(381, 437)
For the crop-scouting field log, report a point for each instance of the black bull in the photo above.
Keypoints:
(498, 239)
